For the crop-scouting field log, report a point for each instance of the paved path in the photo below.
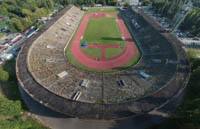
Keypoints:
(114, 62)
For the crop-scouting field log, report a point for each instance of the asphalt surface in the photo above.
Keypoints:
(58, 121)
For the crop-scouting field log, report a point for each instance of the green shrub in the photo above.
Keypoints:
(9, 107)
(127, 4)
(4, 76)
(18, 123)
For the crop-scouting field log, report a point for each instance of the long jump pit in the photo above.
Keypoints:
(103, 63)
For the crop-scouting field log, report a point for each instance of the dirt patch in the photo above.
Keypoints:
(108, 15)
(5, 117)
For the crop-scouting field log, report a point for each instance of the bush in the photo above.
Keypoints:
(146, 2)
(4, 76)
(127, 4)
(18, 123)
(9, 107)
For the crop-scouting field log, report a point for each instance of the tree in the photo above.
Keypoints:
(92, 3)
(26, 12)
(146, 2)
(127, 4)
(16, 24)
(169, 8)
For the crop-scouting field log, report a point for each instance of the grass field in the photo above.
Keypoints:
(93, 10)
(103, 31)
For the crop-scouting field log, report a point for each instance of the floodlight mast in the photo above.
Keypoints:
(180, 15)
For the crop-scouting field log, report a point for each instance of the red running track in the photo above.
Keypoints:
(103, 64)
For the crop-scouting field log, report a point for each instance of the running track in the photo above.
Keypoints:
(103, 63)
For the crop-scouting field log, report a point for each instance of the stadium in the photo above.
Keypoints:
(103, 64)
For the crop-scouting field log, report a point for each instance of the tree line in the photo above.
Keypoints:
(168, 8)
(23, 13)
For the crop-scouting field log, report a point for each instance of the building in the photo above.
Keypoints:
(98, 5)
(132, 2)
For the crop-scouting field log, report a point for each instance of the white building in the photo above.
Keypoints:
(132, 2)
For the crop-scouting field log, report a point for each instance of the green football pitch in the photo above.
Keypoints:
(103, 31)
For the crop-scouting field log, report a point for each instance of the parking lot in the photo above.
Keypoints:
(185, 37)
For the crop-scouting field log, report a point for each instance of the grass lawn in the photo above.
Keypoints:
(112, 52)
(93, 10)
(104, 31)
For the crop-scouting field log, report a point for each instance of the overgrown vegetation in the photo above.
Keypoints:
(20, 123)
(9, 107)
(187, 115)
(168, 8)
(127, 4)
(23, 13)
(3, 75)
(13, 112)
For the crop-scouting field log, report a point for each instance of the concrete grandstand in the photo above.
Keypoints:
(47, 76)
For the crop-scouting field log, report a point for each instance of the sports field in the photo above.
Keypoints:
(103, 31)
(108, 44)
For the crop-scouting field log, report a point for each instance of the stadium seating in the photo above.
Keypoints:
(46, 61)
